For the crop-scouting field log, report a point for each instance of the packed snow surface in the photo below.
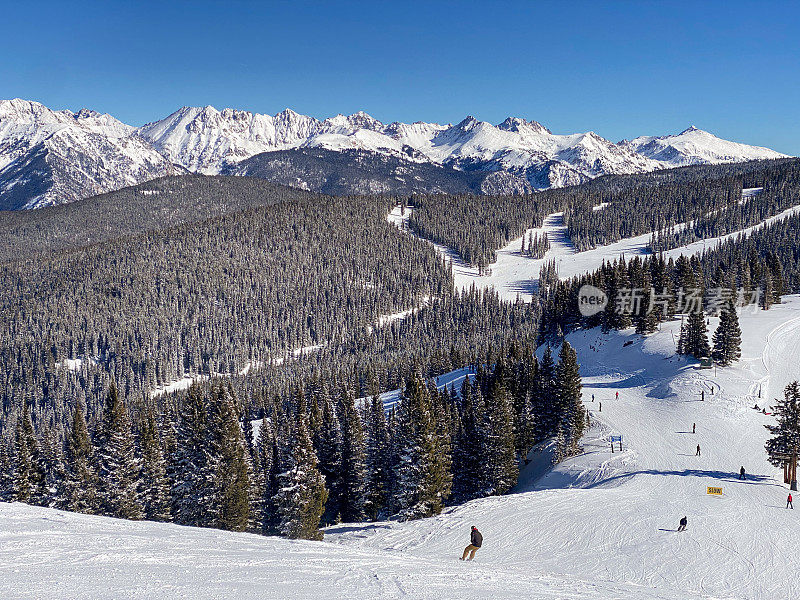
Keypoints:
(599, 525)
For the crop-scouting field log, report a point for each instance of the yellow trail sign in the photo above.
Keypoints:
(714, 491)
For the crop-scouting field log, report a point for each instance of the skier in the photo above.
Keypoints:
(682, 525)
(694, 425)
(617, 396)
(475, 542)
(698, 450)
(702, 395)
(592, 397)
(789, 502)
(741, 473)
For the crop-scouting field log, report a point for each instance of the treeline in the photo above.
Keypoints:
(706, 196)
(642, 292)
(316, 458)
(476, 226)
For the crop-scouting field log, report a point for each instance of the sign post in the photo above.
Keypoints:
(714, 491)
(616, 438)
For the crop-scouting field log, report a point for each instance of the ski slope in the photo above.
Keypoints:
(600, 525)
(515, 275)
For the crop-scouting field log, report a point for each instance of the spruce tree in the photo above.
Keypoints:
(328, 448)
(29, 477)
(82, 494)
(352, 503)
(154, 488)
(300, 501)
(728, 337)
(118, 465)
(192, 491)
(231, 482)
(784, 445)
(421, 480)
(501, 468)
(694, 336)
(573, 417)
(378, 447)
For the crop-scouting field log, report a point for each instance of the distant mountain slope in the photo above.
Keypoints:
(52, 157)
(694, 146)
(359, 172)
(160, 204)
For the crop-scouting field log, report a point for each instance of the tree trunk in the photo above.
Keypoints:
(793, 485)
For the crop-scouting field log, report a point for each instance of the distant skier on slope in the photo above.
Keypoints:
(789, 502)
(694, 426)
(698, 450)
(741, 473)
(682, 523)
(617, 396)
(475, 542)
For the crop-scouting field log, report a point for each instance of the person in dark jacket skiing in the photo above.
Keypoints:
(789, 502)
(741, 473)
(698, 450)
(682, 524)
(475, 542)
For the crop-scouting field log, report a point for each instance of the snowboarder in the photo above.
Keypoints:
(694, 425)
(789, 502)
(682, 524)
(741, 473)
(475, 542)
(698, 450)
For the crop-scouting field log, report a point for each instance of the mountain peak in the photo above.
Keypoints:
(691, 129)
(519, 125)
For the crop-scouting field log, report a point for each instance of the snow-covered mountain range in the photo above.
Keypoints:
(51, 157)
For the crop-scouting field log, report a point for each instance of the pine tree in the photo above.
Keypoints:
(192, 491)
(784, 445)
(470, 441)
(421, 481)
(694, 336)
(82, 484)
(545, 399)
(352, 503)
(52, 460)
(6, 472)
(231, 482)
(501, 467)
(328, 448)
(154, 489)
(573, 419)
(300, 501)
(728, 337)
(118, 465)
(378, 447)
(267, 462)
(29, 477)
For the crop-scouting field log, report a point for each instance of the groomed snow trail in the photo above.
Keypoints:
(513, 274)
(617, 523)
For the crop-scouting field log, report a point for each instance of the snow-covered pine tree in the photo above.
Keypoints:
(118, 466)
(560, 449)
(192, 491)
(501, 468)
(6, 472)
(573, 418)
(694, 336)
(420, 477)
(82, 494)
(728, 337)
(154, 488)
(52, 459)
(378, 448)
(300, 501)
(231, 482)
(784, 445)
(328, 448)
(29, 477)
(545, 397)
(468, 476)
(352, 501)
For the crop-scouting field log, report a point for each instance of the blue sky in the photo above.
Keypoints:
(621, 69)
